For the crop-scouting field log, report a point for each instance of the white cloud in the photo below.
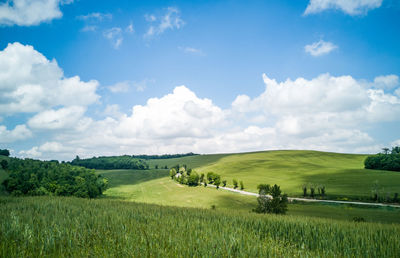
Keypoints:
(191, 50)
(387, 82)
(95, 16)
(320, 48)
(20, 132)
(126, 86)
(325, 113)
(351, 7)
(89, 28)
(114, 35)
(29, 83)
(29, 12)
(63, 118)
(130, 28)
(171, 20)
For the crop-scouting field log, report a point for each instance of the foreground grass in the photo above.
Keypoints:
(342, 174)
(55, 227)
(153, 186)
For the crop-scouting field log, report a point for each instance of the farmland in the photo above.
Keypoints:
(59, 226)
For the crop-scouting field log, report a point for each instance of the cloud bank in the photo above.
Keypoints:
(330, 113)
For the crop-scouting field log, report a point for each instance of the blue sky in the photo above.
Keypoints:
(205, 76)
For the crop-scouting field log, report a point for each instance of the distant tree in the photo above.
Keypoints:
(217, 182)
(277, 204)
(189, 171)
(202, 177)
(193, 179)
(385, 150)
(156, 166)
(304, 187)
(224, 183)
(312, 191)
(4, 152)
(205, 183)
(241, 185)
(235, 183)
(166, 167)
(172, 173)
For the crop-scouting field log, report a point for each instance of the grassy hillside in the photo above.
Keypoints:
(342, 174)
(155, 187)
(70, 227)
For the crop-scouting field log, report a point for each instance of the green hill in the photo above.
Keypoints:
(342, 174)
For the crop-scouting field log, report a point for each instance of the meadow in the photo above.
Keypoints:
(342, 174)
(72, 227)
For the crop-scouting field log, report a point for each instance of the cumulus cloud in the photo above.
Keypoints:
(169, 21)
(320, 48)
(20, 132)
(387, 82)
(326, 113)
(29, 83)
(30, 12)
(351, 7)
(63, 118)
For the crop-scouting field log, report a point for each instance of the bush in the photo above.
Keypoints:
(223, 183)
(241, 185)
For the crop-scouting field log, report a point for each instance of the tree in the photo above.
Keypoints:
(241, 185)
(235, 183)
(223, 183)
(385, 150)
(263, 188)
(217, 182)
(202, 177)
(156, 166)
(276, 204)
(193, 179)
(172, 173)
(4, 152)
(304, 187)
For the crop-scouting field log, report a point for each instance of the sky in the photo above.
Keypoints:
(90, 78)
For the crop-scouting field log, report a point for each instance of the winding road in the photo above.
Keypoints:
(310, 200)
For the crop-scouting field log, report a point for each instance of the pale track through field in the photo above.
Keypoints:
(310, 200)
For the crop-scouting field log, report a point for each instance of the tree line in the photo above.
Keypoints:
(164, 156)
(387, 160)
(112, 162)
(34, 177)
(4, 152)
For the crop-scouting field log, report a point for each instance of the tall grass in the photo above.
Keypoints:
(49, 226)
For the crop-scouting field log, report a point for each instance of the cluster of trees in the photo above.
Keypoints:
(35, 177)
(4, 152)
(313, 187)
(187, 176)
(164, 156)
(379, 194)
(184, 175)
(235, 183)
(271, 200)
(112, 162)
(387, 160)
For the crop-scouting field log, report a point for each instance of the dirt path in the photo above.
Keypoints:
(310, 200)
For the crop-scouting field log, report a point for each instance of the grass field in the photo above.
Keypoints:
(71, 227)
(155, 187)
(342, 174)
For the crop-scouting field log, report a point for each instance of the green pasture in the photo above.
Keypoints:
(155, 187)
(342, 174)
